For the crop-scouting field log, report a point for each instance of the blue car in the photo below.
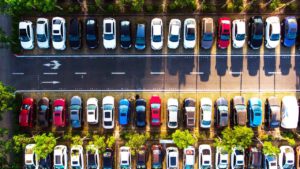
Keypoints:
(140, 109)
(289, 31)
(76, 112)
(124, 112)
(140, 40)
(255, 112)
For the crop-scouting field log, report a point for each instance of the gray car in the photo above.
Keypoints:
(207, 33)
(221, 112)
(76, 112)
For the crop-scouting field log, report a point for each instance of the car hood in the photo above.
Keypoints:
(23, 118)
(189, 43)
(157, 45)
(256, 43)
(273, 44)
(76, 123)
(173, 45)
(109, 44)
(92, 43)
(27, 45)
(223, 43)
(59, 45)
(289, 42)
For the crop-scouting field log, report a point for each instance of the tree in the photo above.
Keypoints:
(137, 5)
(240, 137)
(5, 148)
(183, 4)
(183, 139)
(44, 145)
(15, 7)
(77, 140)
(98, 142)
(7, 99)
(269, 148)
(20, 141)
(275, 4)
(110, 141)
(135, 141)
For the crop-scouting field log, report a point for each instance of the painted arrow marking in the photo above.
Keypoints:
(50, 82)
(54, 64)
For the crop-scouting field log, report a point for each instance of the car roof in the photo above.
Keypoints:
(273, 100)
(189, 102)
(222, 101)
(238, 100)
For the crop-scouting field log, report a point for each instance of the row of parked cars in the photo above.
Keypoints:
(272, 28)
(285, 115)
(239, 158)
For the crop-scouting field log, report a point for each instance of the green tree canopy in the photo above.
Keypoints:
(7, 99)
(240, 137)
(76, 140)
(19, 6)
(5, 148)
(44, 145)
(269, 148)
(20, 141)
(98, 142)
(183, 4)
(110, 141)
(183, 139)
(135, 141)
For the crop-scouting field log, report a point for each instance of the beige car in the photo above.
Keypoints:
(207, 33)
(239, 111)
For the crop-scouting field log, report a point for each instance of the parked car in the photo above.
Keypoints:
(237, 158)
(125, 158)
(297, 157)
(75, 30)
(207, 33)
(205, 112)
(254, 158)
(60, 157)
(255, 112)
(221, 158)
(44, 112)
(157, 36)
(205, 157)
(42, 33)
(59, 33)
(155, 109)
(45, 163)
(189, 108)
(124, 112)
(30, 159)
(92, 158)
(256, 32)
(224, 26)
(238, 33)
(221, 112)
(108, 115)
(272, 35)
(286, 158)
(189, 154)
(125, 34)
(140, 38)
(140, 109)
(92, 111)
(190, 34)
(26, 36)
(289, 28)
(76, 112)
(172, 158)
(59, 113)
(109, 33)
(239, 111)
(272, 112)
(76, 155)
(174, 33)
(92, 37)
(172, 107)
(141, 162)
(270, 161)
(27, 113)
(157, 156)
(289, 112)
(108, 159)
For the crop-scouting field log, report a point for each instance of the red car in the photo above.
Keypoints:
(224, 32)
(26, 116)
(59, 112)
(155, 108)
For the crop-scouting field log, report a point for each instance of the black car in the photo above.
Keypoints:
(43, 112)
(256, 31)
(125, 34)
(140, 109)
(75, 33)
(254, 158)
(108, 159)
(141, 158)
(92, 39)
(45, 163)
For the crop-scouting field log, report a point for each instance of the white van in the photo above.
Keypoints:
(289, 112)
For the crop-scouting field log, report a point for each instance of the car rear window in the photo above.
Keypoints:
(173, 161)
(108, 27)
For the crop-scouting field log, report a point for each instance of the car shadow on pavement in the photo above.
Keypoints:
(156, 61)
(269, 65)
(221, 65)
(181, 66)
(236, 65)
(285, 64)
(297, 70)
(204, 67)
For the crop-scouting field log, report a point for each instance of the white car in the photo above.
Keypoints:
(59, 33)
(238, 33)
(125, 158)
(42, 33)
(221, 158)
(205, 156)
(76, 155)
(108, 107)
(237, 158)
(109, 33)
(270, 161)
(92, 157)
(30, 157)
(157, 36)
(189, 33)
(286, 157)
(272, 35)
(26, 35)
(172, 113)
(289, 112)
(60, 157)
(189, 157)
(174, 33)
(206, 112)
(172, 157)
(92, 111)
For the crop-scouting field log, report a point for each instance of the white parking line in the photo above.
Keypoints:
(80, 73)
(274, 72)
(236, 73)
(17, 73)
(50, 73)
(196, 73)
(157, 73)
(118, 73)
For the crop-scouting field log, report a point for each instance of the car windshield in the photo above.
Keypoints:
(155, 106)
(125, 37)
(23, 35)
(204, 122)
(207, 37)
(41, 37)
(108, 36)
(225, 37)
(91, 37)
(59, 167)
(240, 37)
(173, 108)
(257, 37)
(190, 34)
(57, 38)
(140, 40)
(240, 107)
(107, 107)
(91, 107)
(76, 167)
(274, 37)
(174, 38)
(58, 108)
(75, 107)
(44, 107)
(206, 107)
(140, 108)
(73, 38)
(156, 38)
